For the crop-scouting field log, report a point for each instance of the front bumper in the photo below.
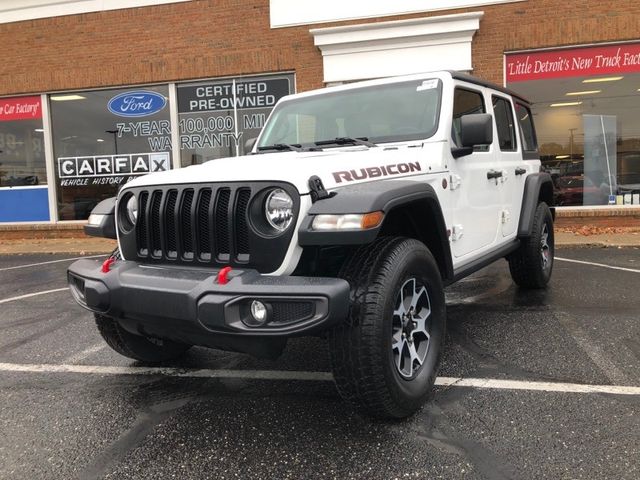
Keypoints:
(189, 305)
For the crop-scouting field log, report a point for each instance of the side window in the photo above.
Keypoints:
(504, 123)
(466, 102)
(525, 122)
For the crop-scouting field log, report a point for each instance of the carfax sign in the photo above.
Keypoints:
(109, 169)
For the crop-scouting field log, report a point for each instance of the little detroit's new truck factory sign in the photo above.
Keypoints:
(573, 62)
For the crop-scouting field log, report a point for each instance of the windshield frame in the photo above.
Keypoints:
(287, 101)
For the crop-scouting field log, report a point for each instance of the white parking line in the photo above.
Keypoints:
(634, 270)
(487, 383)
(85, 353)
(51, 261)
(28, 295)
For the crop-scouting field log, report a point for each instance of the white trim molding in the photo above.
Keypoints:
(20, 10)
(289, 13)
(402, 47)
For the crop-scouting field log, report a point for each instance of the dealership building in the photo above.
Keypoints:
(94, 93)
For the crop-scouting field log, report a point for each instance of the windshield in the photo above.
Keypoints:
(381, 113)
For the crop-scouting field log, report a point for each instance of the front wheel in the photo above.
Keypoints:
(385, 356)
(532, 263)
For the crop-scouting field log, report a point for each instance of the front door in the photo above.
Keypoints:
(476, 198)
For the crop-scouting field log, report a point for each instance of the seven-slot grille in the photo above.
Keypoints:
(199, 223)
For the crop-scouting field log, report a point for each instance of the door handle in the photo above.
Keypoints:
(491, 174)
(521, 171)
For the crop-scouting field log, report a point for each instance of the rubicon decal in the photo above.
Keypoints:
(374, 172)
(138, 103)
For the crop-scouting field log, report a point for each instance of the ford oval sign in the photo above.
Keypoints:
(137, 103)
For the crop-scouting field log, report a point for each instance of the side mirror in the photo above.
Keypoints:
(249, 143)
(475, 129)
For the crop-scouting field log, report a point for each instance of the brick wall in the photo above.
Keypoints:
(201, 39)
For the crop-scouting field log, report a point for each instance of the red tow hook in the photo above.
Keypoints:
(223, 276)
(106, 265)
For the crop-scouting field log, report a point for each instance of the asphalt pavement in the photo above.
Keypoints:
(72, 408)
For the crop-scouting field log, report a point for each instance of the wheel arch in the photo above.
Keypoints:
(412, 209)
(538, 188)
(422, 220)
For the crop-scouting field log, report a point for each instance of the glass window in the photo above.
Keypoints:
(504, 123)
(380, 113)
(216, 118)
(21, 142)
(466, 102)
(527, 132)
(585, 103)
(102, 139)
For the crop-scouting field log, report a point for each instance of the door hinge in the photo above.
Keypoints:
(455, 181)
(456, 232)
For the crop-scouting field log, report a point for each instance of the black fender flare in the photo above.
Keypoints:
(382, 196)
(538, 187)
(107, 226)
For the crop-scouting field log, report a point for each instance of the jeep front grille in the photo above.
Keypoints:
(207, 224)
(182, 223)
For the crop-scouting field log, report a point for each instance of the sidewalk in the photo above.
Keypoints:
(70, 246)
(619, 239)
(92, 246)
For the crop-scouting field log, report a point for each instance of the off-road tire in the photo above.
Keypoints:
(362, 359)
(526, 264)
(137, 347)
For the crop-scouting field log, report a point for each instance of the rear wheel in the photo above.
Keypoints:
(385, 356)
(532, 263)
(137, 347)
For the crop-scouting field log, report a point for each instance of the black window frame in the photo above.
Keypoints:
(511, 126)
(480, 93)
(527, 151)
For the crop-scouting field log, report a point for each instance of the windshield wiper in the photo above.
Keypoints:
(347, 141)
(296, 147)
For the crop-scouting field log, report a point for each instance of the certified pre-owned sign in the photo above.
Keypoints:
(137, 103)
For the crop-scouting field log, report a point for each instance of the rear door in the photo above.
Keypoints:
(511, 163)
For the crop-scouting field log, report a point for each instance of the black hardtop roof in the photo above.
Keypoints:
(483, 83)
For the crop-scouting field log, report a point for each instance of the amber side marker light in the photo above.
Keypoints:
(372, 220)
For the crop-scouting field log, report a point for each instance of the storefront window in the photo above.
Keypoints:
(585, 103)
(21, 142)
(102, 139)
(217, 117)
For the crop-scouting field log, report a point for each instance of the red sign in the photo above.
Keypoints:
(576, 62)
(20, 108)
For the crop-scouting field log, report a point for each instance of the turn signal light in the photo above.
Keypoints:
(372, 220)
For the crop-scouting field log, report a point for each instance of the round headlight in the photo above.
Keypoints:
(279, 209)
(132, 209)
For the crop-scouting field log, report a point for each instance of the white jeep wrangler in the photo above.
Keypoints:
(357, 205)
